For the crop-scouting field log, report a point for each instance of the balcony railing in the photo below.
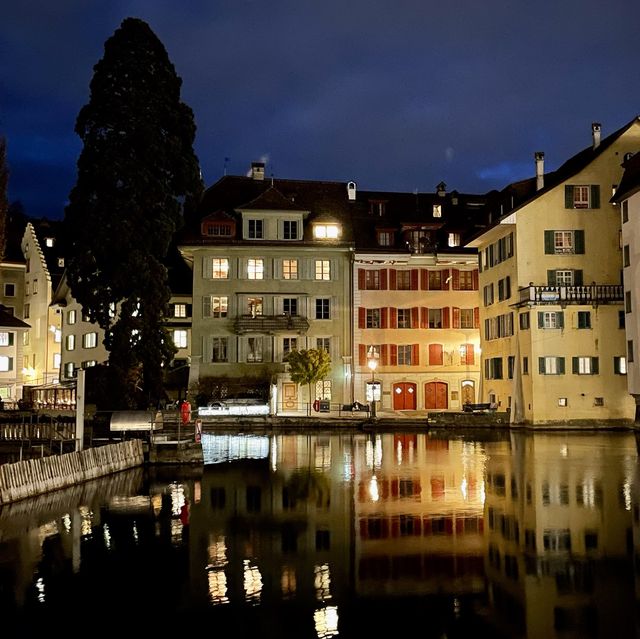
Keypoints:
(270, 324)
(593, 294)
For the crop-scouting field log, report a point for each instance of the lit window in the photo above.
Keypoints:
(385, 238)
(466, 318)
(454, 239)
(620, 365)
(89, 340)
(88, 363)
(6, 363)
(56, 360)
(180, 310)
(326, 231)
(61, 262)
(71, 317)
(254, 349)
(219, 349)
(6, 338)
(69, 370)
(57, 335)
(255, 306)
(255, 269)
(563, 241)
(217, 306)
(289, 269)
(71, 342)
(180, 338)
(404, 355)
(49, 241)
(581, 197)
(289, 344)
(437, 211)
(323, 270)
(220, 268)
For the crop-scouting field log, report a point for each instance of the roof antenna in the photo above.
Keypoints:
(225, 165)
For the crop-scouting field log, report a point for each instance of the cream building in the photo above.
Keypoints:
(552, 315)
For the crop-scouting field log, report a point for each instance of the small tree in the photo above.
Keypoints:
(308, 367)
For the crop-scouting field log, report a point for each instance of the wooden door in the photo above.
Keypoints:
(436, 396)
(290, 396)
(404, 396)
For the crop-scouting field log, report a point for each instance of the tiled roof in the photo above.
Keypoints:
(7, 320)
(630, 182)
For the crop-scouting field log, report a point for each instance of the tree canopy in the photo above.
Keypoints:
(308, 367)
(138, 176)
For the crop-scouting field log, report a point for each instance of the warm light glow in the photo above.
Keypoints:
(252, 582)
(326, 231)
(326, 622)
(372, 364)
(373, 489)
(322, 581)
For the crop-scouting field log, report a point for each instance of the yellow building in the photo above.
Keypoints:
(552, 313)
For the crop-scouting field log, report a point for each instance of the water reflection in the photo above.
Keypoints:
(342, 535)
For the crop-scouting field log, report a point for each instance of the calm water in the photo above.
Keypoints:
(338, 535)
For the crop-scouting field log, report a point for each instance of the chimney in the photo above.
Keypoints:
(351, 191)
(539, 155)
(595, 132)
(257, 171)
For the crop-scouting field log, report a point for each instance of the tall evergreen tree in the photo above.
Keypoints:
(4, 198)
(138, 176)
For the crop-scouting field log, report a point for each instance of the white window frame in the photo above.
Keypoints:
(180, 338)
(180, 310)
(255, 268)
(89, 340)
(322, 270)
(220, 268)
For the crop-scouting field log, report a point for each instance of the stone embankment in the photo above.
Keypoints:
(37, 476)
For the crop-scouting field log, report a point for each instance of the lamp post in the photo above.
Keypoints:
(372, 363)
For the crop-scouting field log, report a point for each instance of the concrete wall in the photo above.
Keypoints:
(37, 476)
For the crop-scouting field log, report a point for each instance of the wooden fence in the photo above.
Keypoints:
(37, 476)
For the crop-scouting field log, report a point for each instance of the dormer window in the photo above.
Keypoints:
(255, 229)
(437, 210)
(326, 231)
(49, 241)
(290, 230)
(454, 239)
(385, 237)
(377, 207)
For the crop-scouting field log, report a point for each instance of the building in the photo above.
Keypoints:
(552, 313)
(12, 330)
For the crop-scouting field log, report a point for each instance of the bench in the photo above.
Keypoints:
(479, 408)
(356, 407)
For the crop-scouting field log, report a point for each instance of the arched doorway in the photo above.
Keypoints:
(436, 396)
(468, 392)
(404, 396)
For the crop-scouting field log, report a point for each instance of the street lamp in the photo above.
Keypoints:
(372, 363)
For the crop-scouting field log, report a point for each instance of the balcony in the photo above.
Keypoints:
(594, 295)
(270, 324)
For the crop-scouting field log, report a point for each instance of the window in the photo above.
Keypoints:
(563, 241)
(255, 229)
(562, 278)
(89, 340)
(26, 311)
(56, 360)
(290, 305)
(435, 318)
(504, 288)
(6, 363)
(180, 338)
(289, 269)
(558, 242)
(219, 349)
(373, 318)
(6, 338)
(323, 270)
(621, 319)
(466, 318)
(289, 344)
(627, 302)
(404, 318)
(372, 280)
(323, 344)
(437, 211)
(465, 282)
(254, 349)
(254, 305)
(435, 280)
(626, 257)
(179, 310)
(71, 342)
(630, 351)
(625, 211)
(551, 365)
(619, 365)
(550, 319)
(25, 338)
(35, 286)
(525, 365)
(218, 229)
(290, 230)
(467, 354)
(488, 294)
(61, 262)
(57, 336)
(220, 268)
(326, 231)
(585, 365)
(582, 196)
(385, 238)
(255, 269)
(403, 280)
(404, 355)
(214, 306)
(9, 290)
(453, 239)
(71, 317)
(322, 308)
(493, 368)
(377, 207)
(584, 319)
(323, 389)
(524, 321)
(69, 370)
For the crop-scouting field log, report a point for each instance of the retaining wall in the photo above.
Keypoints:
(37, 476)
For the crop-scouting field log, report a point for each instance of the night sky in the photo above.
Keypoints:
(396, 95)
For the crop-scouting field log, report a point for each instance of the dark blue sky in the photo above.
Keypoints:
(394, 94)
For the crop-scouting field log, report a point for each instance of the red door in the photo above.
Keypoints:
(435, 396)
(404, 396)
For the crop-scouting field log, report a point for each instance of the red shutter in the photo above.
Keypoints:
(469, 354)
(362, 354)
(426, 526)
(446, 320)
(415, 355)
(361, 279)
(392, 279)
(455, 279)
(476, 317)
(393, 317)
(435, 355)
(456, 317)
(395, 487)
(384, 318)
(444, 274)
(424, 279)
(394, 354)
(383, 279)
(395, 526)
(415, 317)
(385, 489)
(362, 492)
(364, 529)
(385, 355)
(459, 526)
(474, 277)
(424, 317)
(415, 274)
(362, 317)
(385, 529)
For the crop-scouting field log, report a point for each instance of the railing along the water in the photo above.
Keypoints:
(37, 476)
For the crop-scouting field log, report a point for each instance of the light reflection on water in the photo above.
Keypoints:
(322, 535)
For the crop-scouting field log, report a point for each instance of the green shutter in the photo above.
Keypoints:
(549, 244)
(579, 241)
(577, 277)
(595, 365)
(575, 367)
(595, 196)
(560, 365)
(560, 319)
(541, 365)
(568, 196)
(540, 319)
(11, 339)
(551, 277)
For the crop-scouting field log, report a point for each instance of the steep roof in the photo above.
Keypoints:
(51, 250)
(8, 320)
(630, 182)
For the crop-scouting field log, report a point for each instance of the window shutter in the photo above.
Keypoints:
(579, 241)
(206, 351)
(469, 354)
(560, 361)
(575, 367)
(595, 365)
(577, 277)
(446, 317)
(424, 279)
(415, 317)
(206, 306)
(541, 365)
(362, 317)
(476, 280)
(415, 355)
(392, 279)
(207, 267)
(444, 274)
(394, 354)
(393, 317)
(540, 319)
(455, 279)
(361, 279)
(435, 355)
(384, 318)
(384, 356)
(560, 319)
(568, 196)
(10, 366)
(415, 275)
(476, 317)
(424, 317)
(362, 354)
(549, 248)
(551, 277)
(189, 310)
(456, 317)
(383, 279)
(595, 196)
(507, 282)
(11, 335)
